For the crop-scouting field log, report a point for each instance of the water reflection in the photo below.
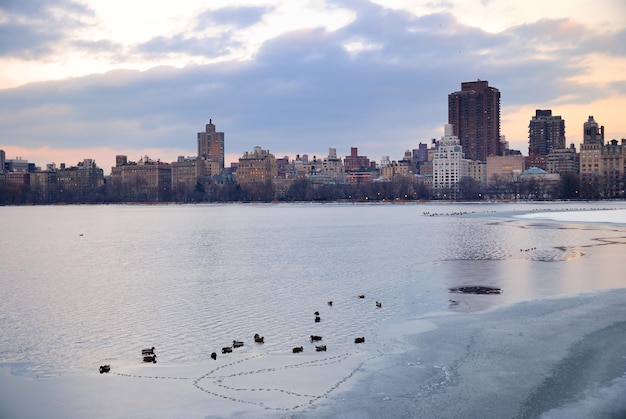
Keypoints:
(531, 260)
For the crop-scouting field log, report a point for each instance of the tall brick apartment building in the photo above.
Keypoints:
(474, 112)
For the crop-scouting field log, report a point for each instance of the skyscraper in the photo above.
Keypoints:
(211, 145)
(546, 133)
(474, 113)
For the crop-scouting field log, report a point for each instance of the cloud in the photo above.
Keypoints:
(238, 17)
(102, 46)
(208, 47)
(214, 35)
(379, 83)
(619, 87)
(611, 43)
(32, 29)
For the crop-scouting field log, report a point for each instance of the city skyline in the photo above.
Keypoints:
(84, 80)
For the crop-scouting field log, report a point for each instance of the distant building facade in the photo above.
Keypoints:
(43, 184)
(73, 183)
(477, 170)
(601, 165)
(613, 169)
(449, 166)
(474, 113)
(546, 133)
(20, 179)
(332, 168)
(360, 176)
(186, 172)
(259, 166)
(144, 181)
(326, 170)
(18, 165)
(358, 169)
(355, 162)
(395, 168)
(420, 154)
(504, 168)
(591, 155)
(536, 160)
(80, 179)
(563, 161)
(211, 148)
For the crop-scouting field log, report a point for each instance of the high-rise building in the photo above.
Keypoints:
(211, 145)
(546, 133)
(474, 112)
(449, 165)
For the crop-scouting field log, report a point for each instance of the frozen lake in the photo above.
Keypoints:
(92, 285)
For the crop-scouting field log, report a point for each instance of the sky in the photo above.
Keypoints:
(93, 79)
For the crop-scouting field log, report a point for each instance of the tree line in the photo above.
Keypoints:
(399, 188)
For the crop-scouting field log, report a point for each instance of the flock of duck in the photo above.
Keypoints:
(296, 349)
(149, 355)
(435, 214)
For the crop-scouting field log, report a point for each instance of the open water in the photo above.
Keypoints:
(88, 285)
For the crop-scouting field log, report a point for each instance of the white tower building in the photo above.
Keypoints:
(449, 165)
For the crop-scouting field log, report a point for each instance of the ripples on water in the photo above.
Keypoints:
(86, 285)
